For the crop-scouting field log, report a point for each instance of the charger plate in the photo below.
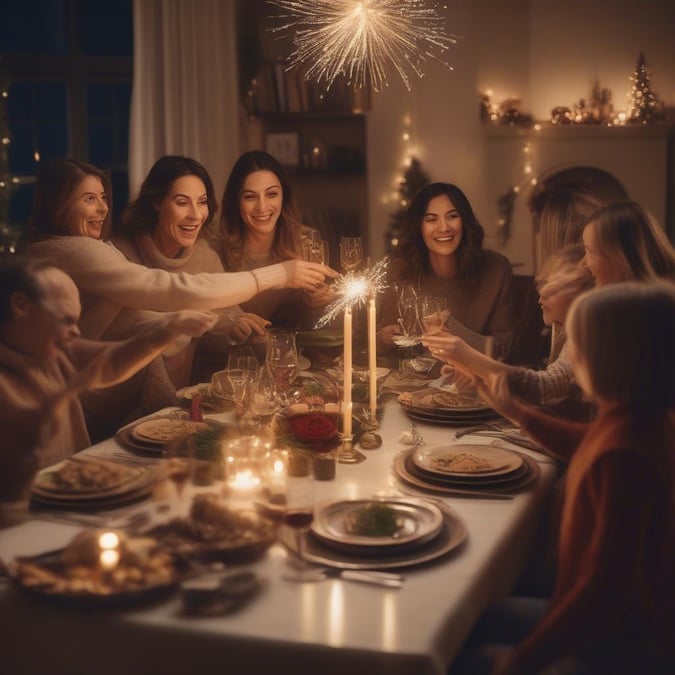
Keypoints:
(451, 535)
(407, 471)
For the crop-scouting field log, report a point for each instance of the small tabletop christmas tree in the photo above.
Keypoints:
(414, 179)
(645, 106)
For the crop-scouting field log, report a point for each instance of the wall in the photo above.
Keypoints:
(546, 53)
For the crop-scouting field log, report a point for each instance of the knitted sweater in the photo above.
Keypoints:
(616, 550)
(108, 282)
(26, 383)
(111, 287)
(478, 309)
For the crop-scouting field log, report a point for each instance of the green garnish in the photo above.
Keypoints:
(373, 520)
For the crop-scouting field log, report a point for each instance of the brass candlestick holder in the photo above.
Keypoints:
(348, 454)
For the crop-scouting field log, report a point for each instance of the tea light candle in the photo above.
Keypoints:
(109, 557)
(276, 475)
(372, 358)
(347, 396)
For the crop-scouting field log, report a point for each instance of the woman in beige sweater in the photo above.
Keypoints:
(441, 254)
(72, 213)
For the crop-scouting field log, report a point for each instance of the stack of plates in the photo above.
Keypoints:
(462, 468)
(424, 532)
(153, 435)
(92, 484)
(444, 407)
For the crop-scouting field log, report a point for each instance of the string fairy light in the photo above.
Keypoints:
(362, 39)
(355, 289)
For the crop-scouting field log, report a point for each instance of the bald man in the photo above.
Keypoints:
(45, 364)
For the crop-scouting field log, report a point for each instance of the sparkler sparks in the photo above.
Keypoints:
(360, 39)
(354, 290)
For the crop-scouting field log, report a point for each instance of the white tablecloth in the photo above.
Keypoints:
(332, 626)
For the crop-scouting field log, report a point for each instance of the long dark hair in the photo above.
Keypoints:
(141, 214)
(231, 227)
(55, 190)
(413, 252)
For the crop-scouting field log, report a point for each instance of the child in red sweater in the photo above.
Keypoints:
(613, 607)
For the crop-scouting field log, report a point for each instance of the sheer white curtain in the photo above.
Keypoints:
(185, 93)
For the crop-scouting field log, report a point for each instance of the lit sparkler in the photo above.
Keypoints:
(359, 39)
(354, 290)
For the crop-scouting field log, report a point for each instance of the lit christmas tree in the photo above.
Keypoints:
(644, 104)
(414, 179)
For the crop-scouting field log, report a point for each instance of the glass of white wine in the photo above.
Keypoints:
(351, 253)
(434, 313)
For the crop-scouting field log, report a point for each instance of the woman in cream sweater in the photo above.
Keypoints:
(72, 214)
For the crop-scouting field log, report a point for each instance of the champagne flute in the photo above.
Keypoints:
(351, 253)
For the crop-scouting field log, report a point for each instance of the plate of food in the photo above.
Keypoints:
(163, 430)
(450, 537)
(213, 532)
(466, 460)
(85, 574)
(81, 478)
(377, 525)
(432, 399)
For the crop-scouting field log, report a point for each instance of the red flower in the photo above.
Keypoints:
(314, 427)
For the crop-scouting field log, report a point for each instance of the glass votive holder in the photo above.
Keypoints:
(244, 459)
(275, 476)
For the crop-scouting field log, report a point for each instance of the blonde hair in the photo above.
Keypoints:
(562, 219)
(634, 243)
(563, 273)
(624, 335)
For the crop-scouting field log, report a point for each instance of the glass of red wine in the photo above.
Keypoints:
(298, 516)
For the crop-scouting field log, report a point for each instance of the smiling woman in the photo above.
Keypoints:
(441, 254)
(165, 227)
(259, 226)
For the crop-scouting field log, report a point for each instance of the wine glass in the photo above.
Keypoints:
(434, 314)
(242, 358)
(351, 253)
(315, 250)
(239, 380)
(298, 516)
(263, 399)
(408, 306)
(282, 359)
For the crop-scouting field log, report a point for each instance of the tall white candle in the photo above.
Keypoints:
(347, 397)
(372, 358)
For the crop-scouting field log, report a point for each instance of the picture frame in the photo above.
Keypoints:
(284, 147)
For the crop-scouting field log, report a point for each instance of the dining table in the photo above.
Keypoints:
(334, 626)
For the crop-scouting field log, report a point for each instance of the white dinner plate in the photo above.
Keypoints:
(464, 460)
(451, 536)
(418, 521)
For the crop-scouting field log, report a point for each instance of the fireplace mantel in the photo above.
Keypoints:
(638, 156)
